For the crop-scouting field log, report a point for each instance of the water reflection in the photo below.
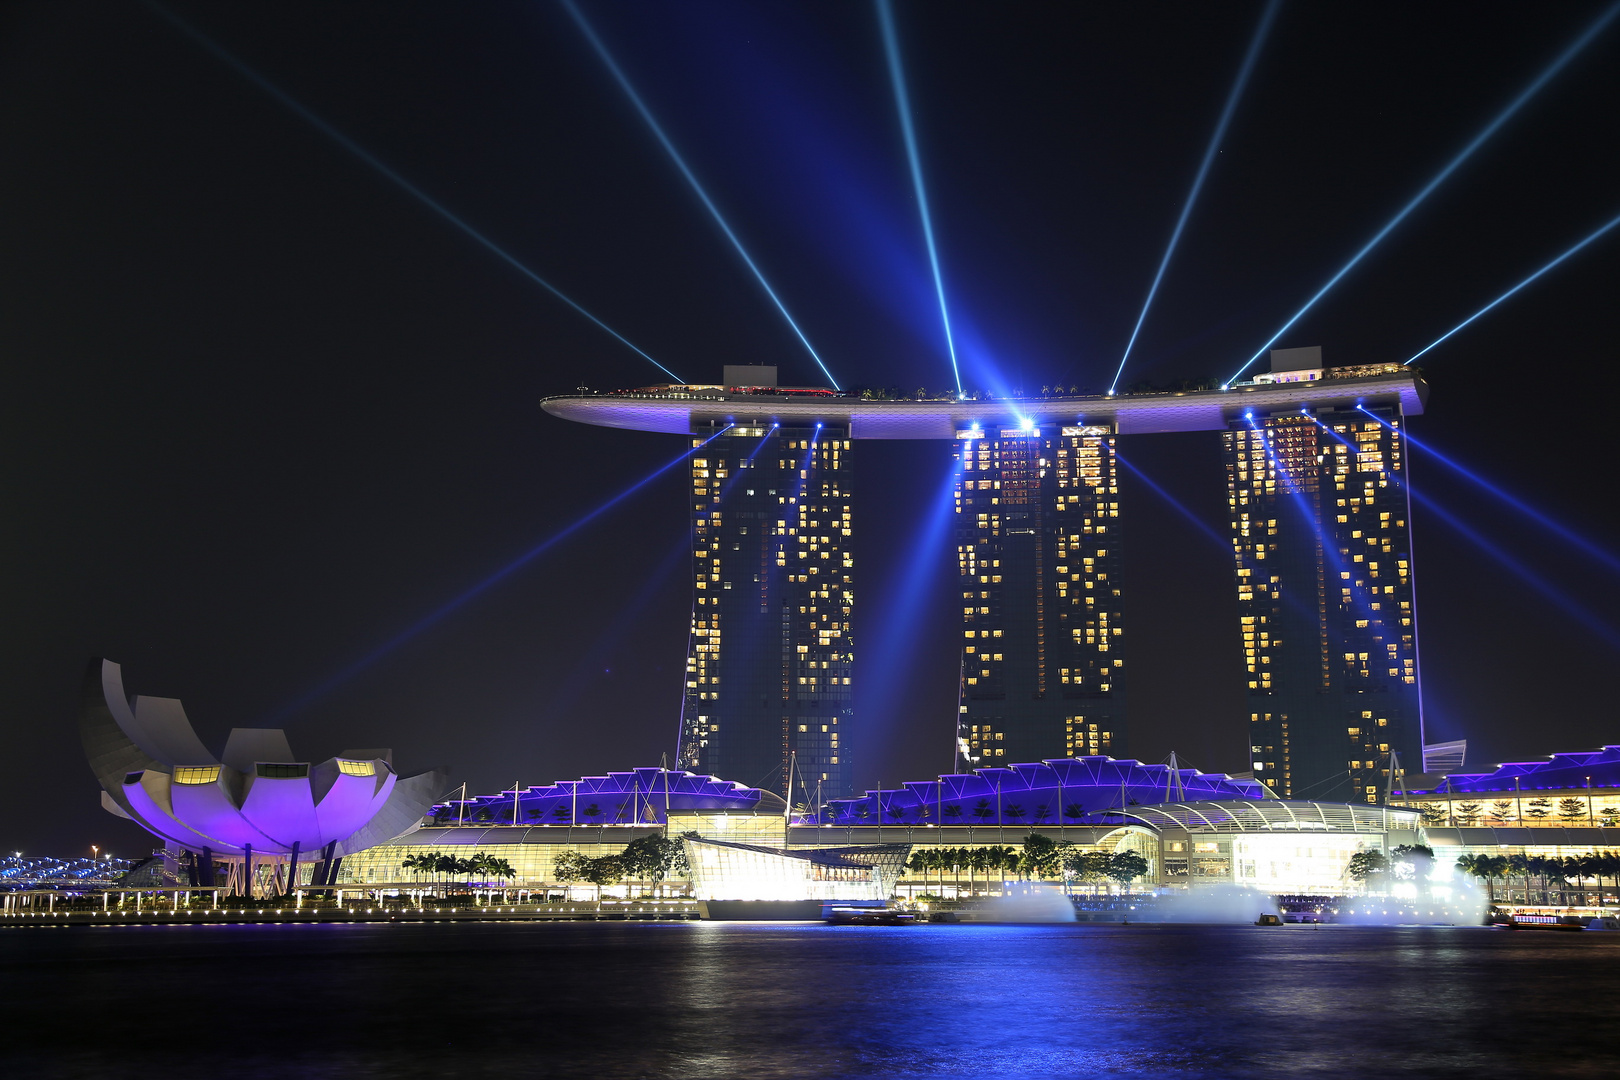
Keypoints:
(762, 1000)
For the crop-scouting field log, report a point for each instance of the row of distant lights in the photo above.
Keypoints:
(278, 911)
(1248, 414)
(1026, 423)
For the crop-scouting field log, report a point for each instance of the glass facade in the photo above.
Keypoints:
(1575, 807)
(1038, 557)
(770, 652)
(1319, 519)
(1283, 863)
(531, 851)
(731, 871)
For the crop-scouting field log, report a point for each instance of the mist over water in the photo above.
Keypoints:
(608, 1000)
(1230, 904)
(1030, 904)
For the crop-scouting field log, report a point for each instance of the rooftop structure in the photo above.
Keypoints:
(1272, 815)
(1072, 791)
(44, 872)
(636, 797)
(1577, 771)
(685, 409)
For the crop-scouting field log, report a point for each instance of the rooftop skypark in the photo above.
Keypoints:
(682, 409)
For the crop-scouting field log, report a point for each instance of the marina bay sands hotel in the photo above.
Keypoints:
(1318, 516)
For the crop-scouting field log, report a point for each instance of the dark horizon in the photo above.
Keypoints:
(264, 410)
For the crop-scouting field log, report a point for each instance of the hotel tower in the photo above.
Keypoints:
(770, 652)
(1038, 558)
(1319, 530)
(1320, 522)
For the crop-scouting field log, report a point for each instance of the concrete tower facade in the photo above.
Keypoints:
(1038, 557)
(770, 653)
(1319, 531)
(1321, 535)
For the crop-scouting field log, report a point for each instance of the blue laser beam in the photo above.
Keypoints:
(896, 631)
(691, 178)
(1590, 237)
(1586, 37)
(1296, 490)
(241, 68)
(804, 466)
(1542, 586)
(439, 613)
(1570, 536)
(739, 473)
(902, 104)
(1224, 543)
(1260, 34)
(629, 615)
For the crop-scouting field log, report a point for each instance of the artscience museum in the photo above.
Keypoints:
(255, 812)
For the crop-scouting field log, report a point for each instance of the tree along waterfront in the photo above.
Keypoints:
(1040, 859)
(1545, 880)
(651, 859)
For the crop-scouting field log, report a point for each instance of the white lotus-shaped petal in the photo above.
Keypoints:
(155, 770)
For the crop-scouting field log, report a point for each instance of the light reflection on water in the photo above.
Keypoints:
(762, 1000)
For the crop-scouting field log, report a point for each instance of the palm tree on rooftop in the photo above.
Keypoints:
(983, 811)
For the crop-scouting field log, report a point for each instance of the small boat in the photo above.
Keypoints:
(869, 916)
(1268, 919)
(1540, 921)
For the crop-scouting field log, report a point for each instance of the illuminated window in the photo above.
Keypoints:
(196, 774)
(357, 768)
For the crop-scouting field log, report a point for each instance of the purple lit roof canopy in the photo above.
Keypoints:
(637, 797)
(1074, 791)
(1592, 768)
(156, 772)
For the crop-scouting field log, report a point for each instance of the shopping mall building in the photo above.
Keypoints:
(1566, 807)
(1191, 828)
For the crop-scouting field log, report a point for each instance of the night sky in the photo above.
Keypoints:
(263, 410)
